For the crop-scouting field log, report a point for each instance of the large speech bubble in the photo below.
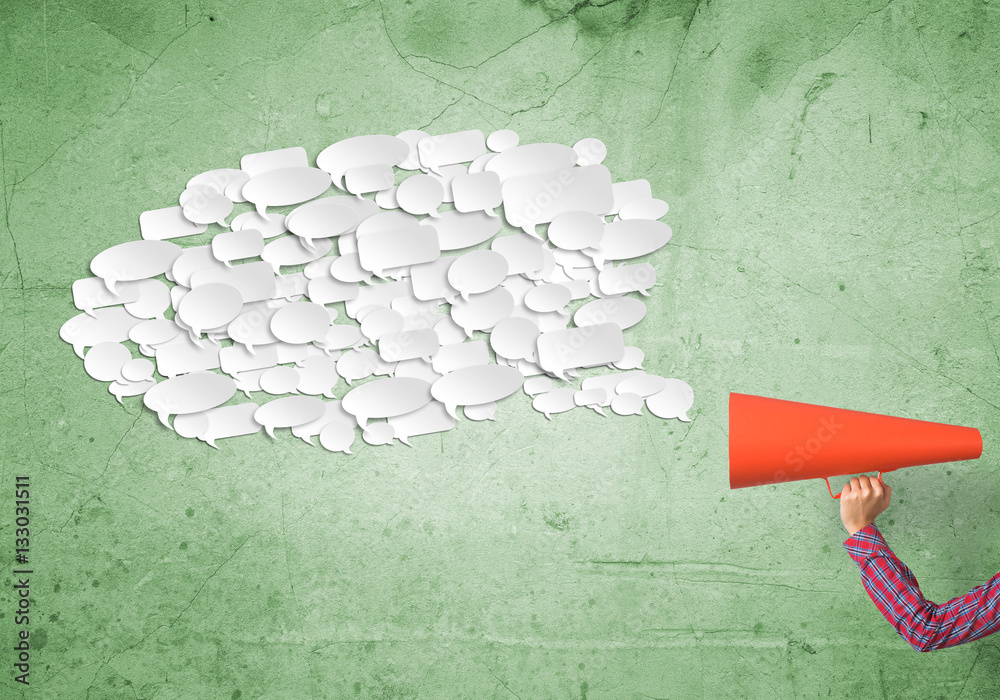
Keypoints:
(476, 385)
(134, 260)
(386, 398)
(359, 151)
(188, 393)
(275, 188)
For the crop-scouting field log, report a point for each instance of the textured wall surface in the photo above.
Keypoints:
(832, 175)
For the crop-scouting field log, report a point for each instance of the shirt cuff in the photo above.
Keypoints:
(865, 543)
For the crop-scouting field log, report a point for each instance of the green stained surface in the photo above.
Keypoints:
(831, 170)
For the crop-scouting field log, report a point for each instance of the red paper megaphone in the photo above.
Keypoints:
(772, 441)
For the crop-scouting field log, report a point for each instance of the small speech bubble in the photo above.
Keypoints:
(137, 370)
(515, 338)
(530, 159)
(134, 260)
(576, 230)
(642, 384)
(301, 322)
(210, 306)
(91, 293)
(621, 310)
(674, 401)
(477, 192)
(253, 327)
(386, 398)
(646, 208)
(153, 301)
(288, 412)
(450, 149)
(408, 345)
(359, 151)
(627, 278)
(627, 404)
(347, 269)
(203, 206)
(432, 418)
(323, 218)
(590, 151)
(632, 238)
(555, 401)
(340, 336)
(537, 385)
(524, 254)
(430, 280)
(317, 376)
(548, 297)
(237, 245)
(168, 223)
(412, 160)
(457, 230)
(631, 359)
(227, 181)
(273, 225)
(332, 413)
(284, 186)
(104, 361)
(121, 389)
(112, 324)
(182, 355)
(476, 385)
(482, 411)
(477, 272)
(188, 393)
(420, 194)
(327, 290)
(450, 358)
(387, 249)
(228, 421)
(378, 433)
(280, 380)
(502, 140)
(291, 250)
(369, 178)
(482, 311)
(358, 364)
(337, 437)
(575, 348)
(591, 398)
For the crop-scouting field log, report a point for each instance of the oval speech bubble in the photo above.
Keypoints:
(275, 188)
(288, 412)
(189, 393)
(476, 385)
(134, 260)
(386, 398)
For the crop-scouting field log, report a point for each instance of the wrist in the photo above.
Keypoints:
(853, 528)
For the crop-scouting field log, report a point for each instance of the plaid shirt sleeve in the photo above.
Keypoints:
(924, 625)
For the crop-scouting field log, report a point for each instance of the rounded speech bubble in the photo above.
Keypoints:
(502, 140)
(548, 297)
(420, 194)
(645, 208)
(476, 385)
(104, 361)
(360, 151)
(134, 260)
(317, 375)
(323, 218)
(153, 301)
(481, 411)
(457, 230)
(482, 311)
(280, 380)
(380, 321)
(378, 434)
(209, 306)
(627, 404)
(288, 412)
(189, 393)
(284, 186)
(337, 437)
(477, 272)
(576, 230)
(386, 398)
(111, 324)
(555, 401)
(138, 370)
(301, 322)
(515, 338)
(674, 401)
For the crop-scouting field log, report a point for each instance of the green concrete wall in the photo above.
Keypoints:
(831, 170)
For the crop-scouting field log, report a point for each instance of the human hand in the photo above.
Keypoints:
(862, 499)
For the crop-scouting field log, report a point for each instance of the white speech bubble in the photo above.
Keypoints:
(237, 245)
(182, 355)
(576, 230)
(275, 188)
(481, 312)
(227, 181)
(378, 433)
(386, 221)
(255, 281)
(479, 164)
(253, 326)
(340, 336)
(319, 268)
(591, 398)
(476, 385)
(532, 158)
(191, 425)
(104, 325)
(631, 359)
(502, 140)
(450, 358)
(674, 401)
(548, 297)
(429, 281)
(317, 375)
(288, 412)
(420, 194)
(537, 385)
(626, 192)
(168, 223)
(432, 418)
(369, 178)
(446, 176)
(539, 198)
(412, 159)
(188, 393)
(291, 250)
(120, 389)
(477, 272)
(477, 192)
(381, 321)
(327, 290)
(358, 364)
(210, 306)
(482, 411)
(280, 380)
(273, 225)
(547, 270)
(387, 249)
(239, 358)
(91, 293)
(642, 384)
(623, 311)
(575, 348)
(647, 208)
(191, 261)
(134, 260)
(416, 367)
(104, 361)
(515, 338)
(590, 151)
(555, 401)
(301, 322)
(449, 149)
(332, 413)
(386, 198)
(361, 151)
(632, 238)
(347, 269)
(322, 218)
(386, 398)
(408, 345)
(524, 253)
(627, 278)
(256, 163)
(337, 436)
(137, 370)
(154, 332)
(627, 404)
(153, 299)
(202, 206)
(290, 287)
(248, 381)
(226, 422)
(457, 230)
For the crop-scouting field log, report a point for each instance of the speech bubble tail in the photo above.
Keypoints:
(227, 263)
(307, 439)
(309, 244)
(362, 422)
(347, 451)
(465, 295)
(222, 222)
(404, 440)
(599, 410)
(547, 416)
(78, 349)
(451, 409)
(684, 417)
(210, 441)
(492, 212)
(644, 292)
(530, 230)
(118, 398)
(90, 312)
(246, 392)
(262, 210)
(110, 283)
(164, 418)
(269, 429)
(468, 332)
(329, 394)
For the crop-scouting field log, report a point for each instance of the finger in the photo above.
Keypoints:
(855, 483)
(876, 487)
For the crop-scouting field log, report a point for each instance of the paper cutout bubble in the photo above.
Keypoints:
(284, 186)
(537, 385)
(530, 159)
(337, 437)
(432, 418)
(515, 338)
(576, 230)
(627, 278)
(476, 385)
(280, 380)
(590, 151)
(188, 393)
(627, 404)
(477, 192)
(457, 230)
(301, 322)
(137, 370)
(502, 140)
(481, 312)
(450, 149)
(378, 433)
(168, 223)
(256, 163)
(332, 413)
(482, 411)
(477, 272)
(91, 293)
(386, 398)
(104, 361)
(360, 151)
(420, 194)
(648, 208)
(631, 359)
(674, 401)
(210, 306)
(555, 401)
(574, 348)
(111, 324)
(288, 412)
(135, 260)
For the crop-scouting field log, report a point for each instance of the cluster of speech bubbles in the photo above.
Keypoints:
(211, 319)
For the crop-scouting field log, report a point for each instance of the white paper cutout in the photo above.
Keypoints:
(110, 324)
(502, 140)
(446, 176)
(337, 437)
(477, 192)
(386, 249)
(317, 375)
(515, 338)
(538, 198)
(274, 188)
(204, 206)
(432, 418)
(530, 159)
(122, 389)
(625, 192)
(280, 380)
(626, 278)
(188, 393)
(537, 385)
(301, 322)
(91, 293)
(138, 370)
(254, 281)
(481, 312)
(408, 345)
(574, 348)
(477, 272)
(387, 198)
(256, 163)
(288, 412)
(210, 306)
(590, 151)
(378, 433)
(576, 230)
(674, 401)
(224, 181)
(332, 413)
(182, 355)
(224, 422)
(450, 149)
(555, 401)
(104, 361)
(273, 225)
(360, 151)
(368, 178)
(642, 384)
(631, 359)
(591, 398)
(476, 385)
(237, 245)
(420, 194)
(548, 297)
(153, 299)
(627, 404)
(632, 238)
(164, 224)
(644, 209)
(386, 398)
(135, 260)
(450, 358)
(412, 159)
(621, 310)
(292, 250)
(347, 269)
(457, 230)
(154, 332)
(482, 411)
